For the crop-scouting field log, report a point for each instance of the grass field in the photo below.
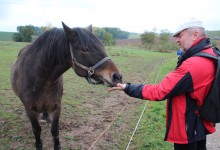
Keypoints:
(6, 36)
(87, 110)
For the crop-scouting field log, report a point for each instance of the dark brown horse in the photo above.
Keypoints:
(37, 74)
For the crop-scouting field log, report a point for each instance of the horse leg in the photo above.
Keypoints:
(36, 128)
(55, 128)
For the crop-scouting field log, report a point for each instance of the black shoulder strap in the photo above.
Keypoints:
(203, 54)
(216, 51)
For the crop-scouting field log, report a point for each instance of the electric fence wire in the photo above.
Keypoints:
(142, 112)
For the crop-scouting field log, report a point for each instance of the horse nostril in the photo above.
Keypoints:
(117, 77)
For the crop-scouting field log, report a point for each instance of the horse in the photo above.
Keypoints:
(37, 80)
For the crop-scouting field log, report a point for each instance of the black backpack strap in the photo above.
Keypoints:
(216, 51)
(207, 55)
(215, 48)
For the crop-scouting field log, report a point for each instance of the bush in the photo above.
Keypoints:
(17, 37)
(24, 33)
(148, 39)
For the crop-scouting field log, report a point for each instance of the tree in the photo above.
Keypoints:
(46, 28)
(24, 33)
(104, 36)
(164, 37)
(108, 39)
(117, 33)
(17, 37)
(99, 32)
(148, 39)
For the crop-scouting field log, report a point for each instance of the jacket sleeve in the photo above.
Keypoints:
(175, 83)
(134, 90)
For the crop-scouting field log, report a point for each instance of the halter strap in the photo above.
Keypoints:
(90, 70)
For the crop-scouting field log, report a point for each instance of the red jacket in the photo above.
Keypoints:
(185, 86)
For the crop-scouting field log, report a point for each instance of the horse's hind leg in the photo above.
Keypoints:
(55, 128)
(33, 117)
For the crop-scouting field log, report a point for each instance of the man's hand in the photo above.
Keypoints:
(119, 87)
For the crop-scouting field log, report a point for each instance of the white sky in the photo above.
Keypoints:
(128, 15)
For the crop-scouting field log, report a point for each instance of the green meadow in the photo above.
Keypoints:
(87, 110)
(6, 36)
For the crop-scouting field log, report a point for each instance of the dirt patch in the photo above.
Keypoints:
(92, 125)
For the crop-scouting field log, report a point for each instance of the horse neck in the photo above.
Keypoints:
(57, 72)
(49, 68)
(55, 59)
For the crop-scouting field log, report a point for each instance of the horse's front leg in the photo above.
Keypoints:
(55, 128)
(36, 128)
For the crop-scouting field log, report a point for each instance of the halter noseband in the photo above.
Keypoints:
(90, 70)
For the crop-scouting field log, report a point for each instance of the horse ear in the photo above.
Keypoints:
(89, 28)
(67, 30)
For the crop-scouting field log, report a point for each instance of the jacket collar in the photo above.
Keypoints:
(198, 46)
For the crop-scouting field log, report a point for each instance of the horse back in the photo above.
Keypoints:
(15, 75)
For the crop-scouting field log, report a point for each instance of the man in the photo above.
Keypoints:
(184, 88)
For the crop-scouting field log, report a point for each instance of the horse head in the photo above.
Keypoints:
(89, 58)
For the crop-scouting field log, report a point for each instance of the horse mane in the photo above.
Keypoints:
(52, 47)
(88, 40)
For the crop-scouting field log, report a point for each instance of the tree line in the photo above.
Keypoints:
(107, 35)
(164, 40)
(161, 41)
(25, 32)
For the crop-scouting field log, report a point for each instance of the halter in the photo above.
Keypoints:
(90, 70)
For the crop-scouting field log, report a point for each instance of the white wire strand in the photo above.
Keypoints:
(141, 113)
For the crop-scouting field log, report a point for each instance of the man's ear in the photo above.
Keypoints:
(89, 28)
(196, 36)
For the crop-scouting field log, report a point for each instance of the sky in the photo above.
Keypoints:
(129, 15)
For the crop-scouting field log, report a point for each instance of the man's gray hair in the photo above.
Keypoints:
(200, 30)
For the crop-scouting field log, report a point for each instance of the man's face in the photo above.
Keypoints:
(185, 39)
